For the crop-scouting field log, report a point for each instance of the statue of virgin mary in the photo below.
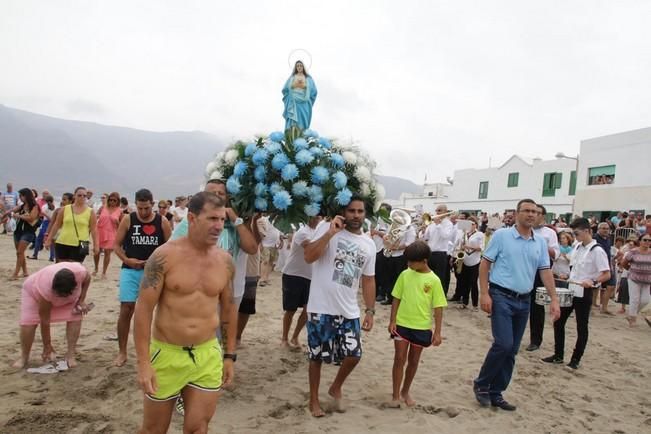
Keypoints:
(299, 94)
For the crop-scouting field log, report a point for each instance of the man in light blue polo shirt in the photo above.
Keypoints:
(513, 256)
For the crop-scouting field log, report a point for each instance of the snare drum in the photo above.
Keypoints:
(565, 297)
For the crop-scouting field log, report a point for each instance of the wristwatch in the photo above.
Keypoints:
(596, 283)
(370, 311)
(231, 356)
(238, 221)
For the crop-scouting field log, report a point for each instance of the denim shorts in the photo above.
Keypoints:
(26, 237)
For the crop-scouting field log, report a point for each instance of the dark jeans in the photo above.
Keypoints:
(581, 307)
(508, 321)
(38, 245)
(381, 287)
(438, 263)
(395, 266)
(469, 288)
(537, 314)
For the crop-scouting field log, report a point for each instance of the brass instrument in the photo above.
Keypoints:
(460, 254)
(400, 221)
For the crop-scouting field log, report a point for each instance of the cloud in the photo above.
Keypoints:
(85, 107)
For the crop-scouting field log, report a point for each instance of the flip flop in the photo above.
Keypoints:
(647, 321)
(45, 369)
(61, 365)
(111, 337)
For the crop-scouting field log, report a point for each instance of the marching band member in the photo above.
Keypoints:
(589, 270)
(537, 312)
(470, 271)
(437, 235)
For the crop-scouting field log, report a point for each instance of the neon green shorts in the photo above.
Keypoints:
(199, 366)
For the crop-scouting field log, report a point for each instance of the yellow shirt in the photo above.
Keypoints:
(67, 235)
(419, 293)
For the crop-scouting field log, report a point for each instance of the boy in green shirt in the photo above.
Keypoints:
(417, 291)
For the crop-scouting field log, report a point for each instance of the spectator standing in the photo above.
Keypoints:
(108, 220)
(26, 215)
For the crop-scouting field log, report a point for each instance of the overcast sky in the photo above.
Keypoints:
(426, 87)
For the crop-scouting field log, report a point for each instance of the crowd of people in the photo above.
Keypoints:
(503, 264)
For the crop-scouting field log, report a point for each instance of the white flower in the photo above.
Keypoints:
(363, 174)
(215, 174)
(219, 158)
(377, 205)
(210, 167)
(380, 192)
(231, 157)
(364, 189)
(349, 157)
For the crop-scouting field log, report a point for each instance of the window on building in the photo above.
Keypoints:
(551, 182)
(572, 191)
(601, 175)
(430, 193)
(513, 179)
(483, 189)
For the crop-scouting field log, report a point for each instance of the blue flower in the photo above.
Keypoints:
(233, 185)
(275, 188)
(316, 151)
(343, 197)
(304, 157)
(340, 179)
(240, 168)
(260, 189)
(279, 161)
(261, 204)
(299, 189)
(315, 193)
(319, 175)
(276, 136)
(260, 173)
(312, 209)
(289, 172)
(337, 160)
(250, 149)
(260, 157)
(282, 200)
(310, 133)
(274, 147)
(300, 143)
(325, 142)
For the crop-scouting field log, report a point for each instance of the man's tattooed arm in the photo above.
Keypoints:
(229, 310)
(154, 273)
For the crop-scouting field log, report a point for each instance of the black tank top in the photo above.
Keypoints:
(142, 238)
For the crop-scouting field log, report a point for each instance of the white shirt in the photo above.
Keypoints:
(587, 263)
(47, 212)
(439, 235)
(551, 237)
(337, 274)
(407, 238)
(474, 240)
(456, 241)
(240, 274)
(271, 235)
(378, 240)
(296, 265)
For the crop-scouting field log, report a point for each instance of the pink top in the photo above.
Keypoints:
(640, 270)
(39, 286)
(107, 226)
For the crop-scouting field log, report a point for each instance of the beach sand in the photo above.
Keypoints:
(610, 392)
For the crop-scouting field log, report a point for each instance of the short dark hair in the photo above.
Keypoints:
(124, 201)
(621, 239)
(64, 282)
(80, 188)
(580, 223)
(216, 181)
(542, 207)
(69, 196)
(525, 201)
(199, 200)
(144, 195)
(353, 198)
(417, 251)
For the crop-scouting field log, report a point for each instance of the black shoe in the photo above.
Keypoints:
(386, 302)
(574, 364)
(32, 257)
(379, 298)
(553, 359)
(503, 404)
(532, 347)
(482, 395)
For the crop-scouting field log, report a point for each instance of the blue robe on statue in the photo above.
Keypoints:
(298, 103)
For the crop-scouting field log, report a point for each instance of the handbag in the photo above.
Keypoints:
(84, 246)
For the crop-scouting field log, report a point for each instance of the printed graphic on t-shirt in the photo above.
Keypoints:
(146, 239)
(349, 261)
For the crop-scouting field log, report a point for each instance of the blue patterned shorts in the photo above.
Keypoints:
(331, 338)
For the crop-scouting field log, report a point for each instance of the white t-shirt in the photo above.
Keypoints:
(551, 237)
(587, 263)
(337, 274)
(474, 240)
(271, 235)
(378, 240)
(240, 274)
(296, 265)
(439, 235)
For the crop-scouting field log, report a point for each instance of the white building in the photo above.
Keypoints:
(614, 174)
(498, 189)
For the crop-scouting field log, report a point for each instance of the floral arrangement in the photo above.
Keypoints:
(294, 176)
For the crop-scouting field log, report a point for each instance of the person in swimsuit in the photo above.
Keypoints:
(186, 280)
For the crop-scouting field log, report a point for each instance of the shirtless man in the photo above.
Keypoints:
(185, 280)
